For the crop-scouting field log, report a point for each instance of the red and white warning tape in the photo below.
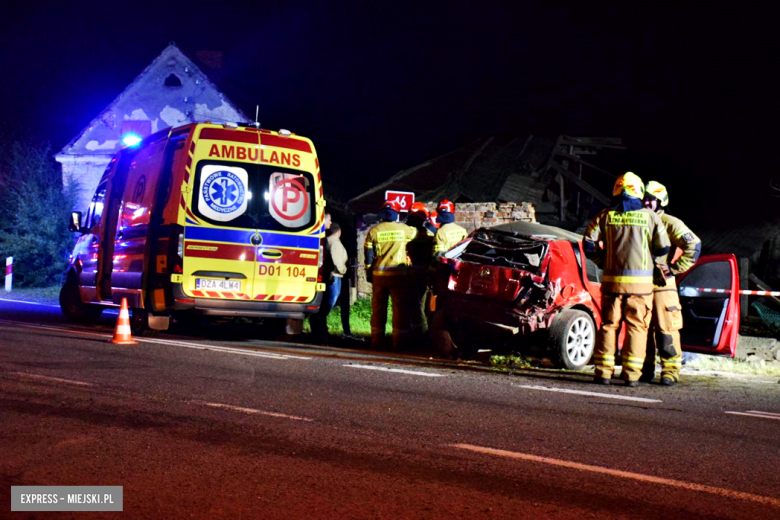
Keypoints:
(745, 292)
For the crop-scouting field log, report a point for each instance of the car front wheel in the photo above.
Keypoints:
(573, 336)
(73, 307)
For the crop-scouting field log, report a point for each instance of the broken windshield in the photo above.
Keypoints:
(505, 249)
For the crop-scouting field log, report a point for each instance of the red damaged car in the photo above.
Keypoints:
(529, 284)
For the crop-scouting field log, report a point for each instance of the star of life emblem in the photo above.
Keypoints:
(223, 194)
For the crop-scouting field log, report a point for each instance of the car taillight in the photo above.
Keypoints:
(180, 247)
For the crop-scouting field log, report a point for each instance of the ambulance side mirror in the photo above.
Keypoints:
(75, 222)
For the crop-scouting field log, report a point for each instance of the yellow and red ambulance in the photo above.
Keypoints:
(221, 220)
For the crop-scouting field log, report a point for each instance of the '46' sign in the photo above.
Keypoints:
(404, 198)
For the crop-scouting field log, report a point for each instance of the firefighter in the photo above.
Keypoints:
(387, 268)
(631, 236)
(665, 328)
(420, 251)
(449, 233)
(432, 219)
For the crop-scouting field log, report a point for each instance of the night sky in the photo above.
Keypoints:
(381, 86)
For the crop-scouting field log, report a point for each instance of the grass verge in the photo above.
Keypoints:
(34, 294)
(359, 319)
(509, 362)
(735, 366)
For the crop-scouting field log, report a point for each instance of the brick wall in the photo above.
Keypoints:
(469, 215)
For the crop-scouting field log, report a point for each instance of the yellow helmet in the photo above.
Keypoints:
(630, 184)
(657, 191)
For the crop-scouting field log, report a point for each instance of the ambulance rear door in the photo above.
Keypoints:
(218, 254)
(709, 295)
(287, 257)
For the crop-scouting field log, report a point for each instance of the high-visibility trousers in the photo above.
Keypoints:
(396, 287)
(664, 335)
(636, 312)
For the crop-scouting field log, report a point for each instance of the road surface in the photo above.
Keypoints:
(244, 428)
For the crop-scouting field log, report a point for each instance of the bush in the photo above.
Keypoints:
(34, 210)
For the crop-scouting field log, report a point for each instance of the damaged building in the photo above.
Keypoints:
(496, 180)
(175, 89)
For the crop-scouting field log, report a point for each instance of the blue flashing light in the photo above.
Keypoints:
(131, 140)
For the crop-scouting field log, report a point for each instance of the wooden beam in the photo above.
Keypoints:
(585, 163)
(762, 285)
(581, 184)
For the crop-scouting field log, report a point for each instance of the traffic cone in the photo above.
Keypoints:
(123, 335)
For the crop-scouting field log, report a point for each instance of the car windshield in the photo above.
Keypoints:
(504, 249)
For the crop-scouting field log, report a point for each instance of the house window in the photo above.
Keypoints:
(172, 81)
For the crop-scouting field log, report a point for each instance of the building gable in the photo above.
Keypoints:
(170, 92)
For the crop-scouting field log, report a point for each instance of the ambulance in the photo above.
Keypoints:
(204, 219)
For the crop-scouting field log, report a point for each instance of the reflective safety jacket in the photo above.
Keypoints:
(631, 240)
(683, 238)
(447, 236)
(385, 248)
(420, 250)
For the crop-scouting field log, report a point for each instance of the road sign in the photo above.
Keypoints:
(404, 198)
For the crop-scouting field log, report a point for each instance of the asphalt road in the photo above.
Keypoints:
(243, 428)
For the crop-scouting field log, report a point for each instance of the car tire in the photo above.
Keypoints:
(139, 324)
(573, 336)
(448, 343)
(73, 307)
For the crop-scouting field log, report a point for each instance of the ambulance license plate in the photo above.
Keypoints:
(218, 285)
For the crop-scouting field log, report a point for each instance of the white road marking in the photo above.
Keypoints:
(729, 493)
(55, 328)
(760, 415)
(253, 411)
(592, 394)
(198, 346)
(53, 379)
(177, 343)
(765, 413)
(396, 370)
(30, 303)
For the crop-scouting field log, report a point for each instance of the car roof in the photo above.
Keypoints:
(539, 230)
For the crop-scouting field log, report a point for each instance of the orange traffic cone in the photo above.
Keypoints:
(123, 334)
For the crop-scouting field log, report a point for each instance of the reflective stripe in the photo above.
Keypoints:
(627, 279)
(380, 268)
(629, 218)
(628, 272)
(395, 235)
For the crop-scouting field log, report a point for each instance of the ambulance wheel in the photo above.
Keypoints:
(73, 308)
(139, 324)
(573, 336)
(448, 340)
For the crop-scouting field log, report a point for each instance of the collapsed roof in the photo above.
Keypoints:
(548, 172)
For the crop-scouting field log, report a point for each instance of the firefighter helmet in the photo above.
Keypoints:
(419, 207)
(658, 191)
(630, 184)
(432, 218)
(392, 204)
(446, 206)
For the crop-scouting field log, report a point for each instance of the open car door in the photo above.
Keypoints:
(709, 294)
